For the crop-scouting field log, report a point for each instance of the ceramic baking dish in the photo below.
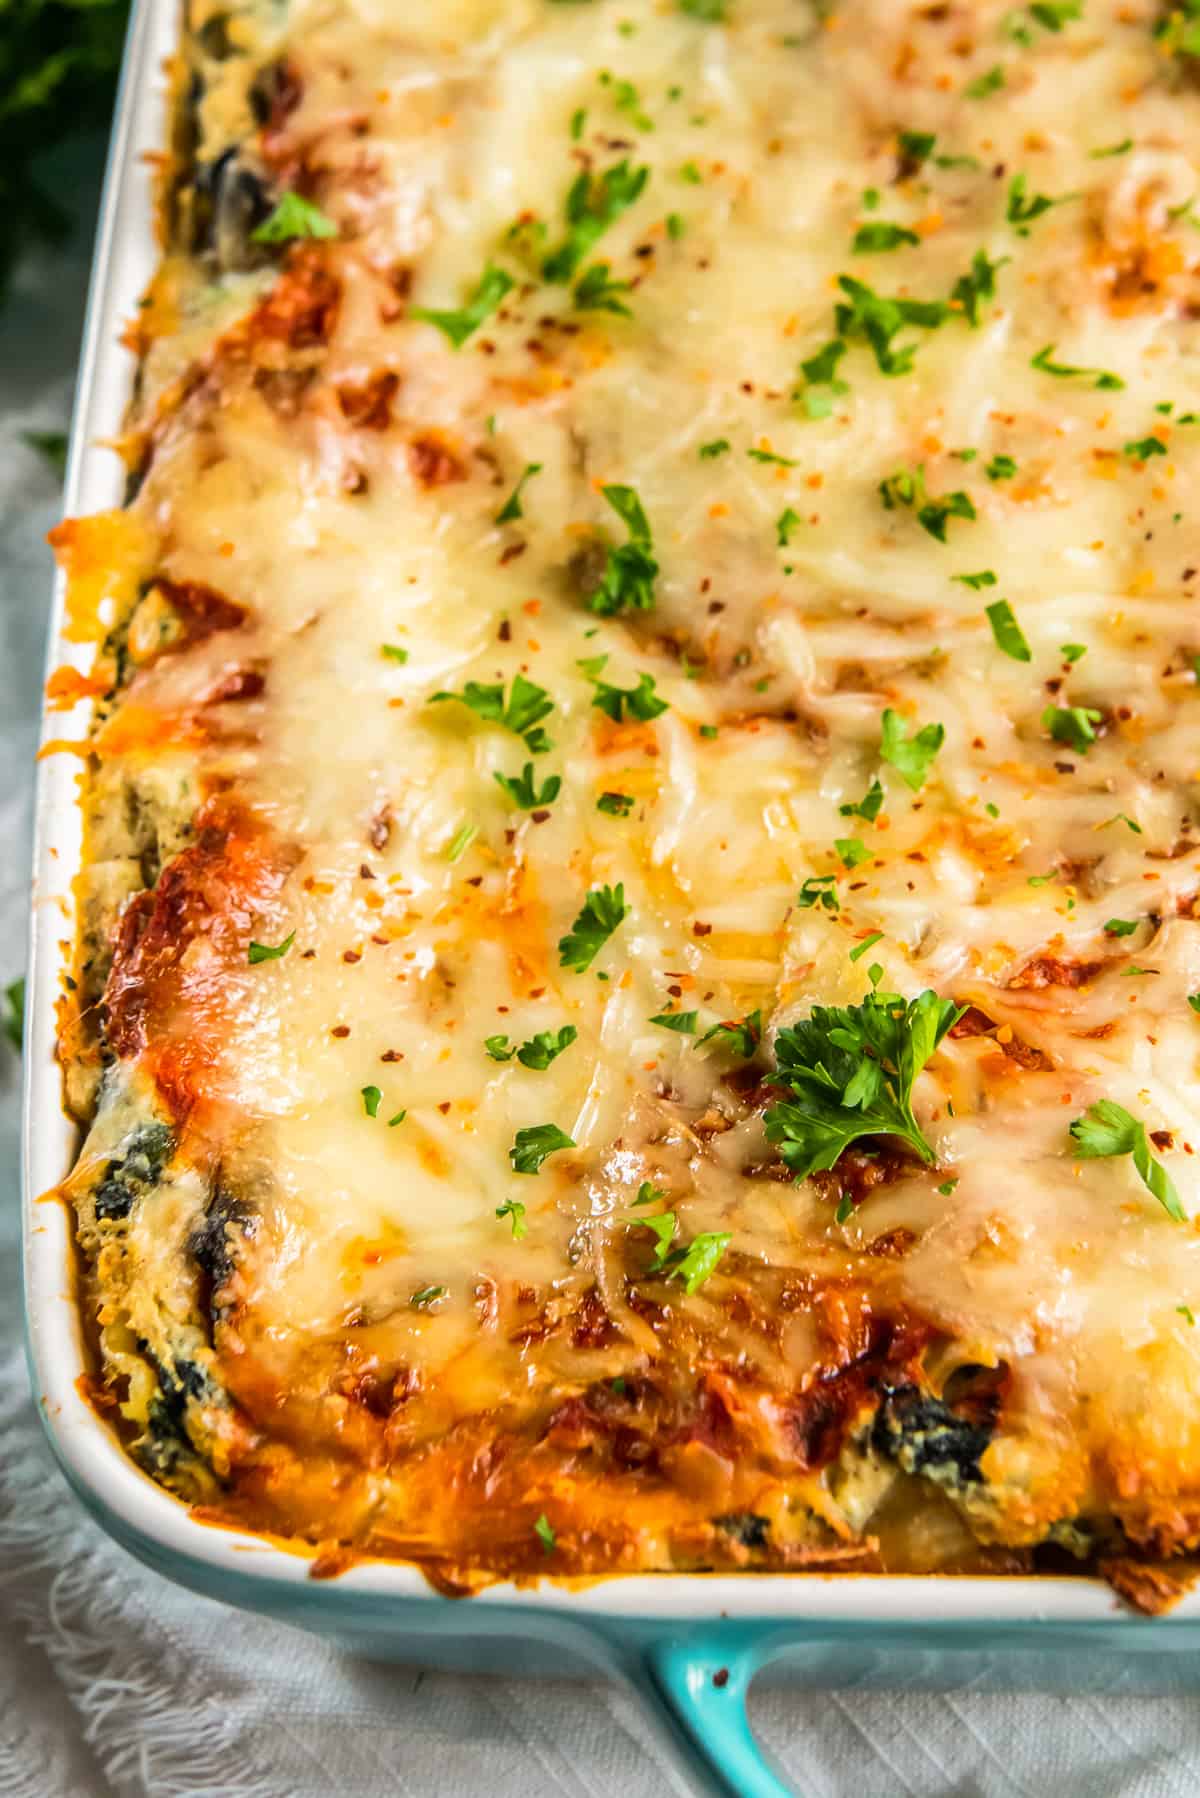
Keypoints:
(687, 1645)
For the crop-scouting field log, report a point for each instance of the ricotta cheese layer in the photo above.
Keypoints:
(636, 994)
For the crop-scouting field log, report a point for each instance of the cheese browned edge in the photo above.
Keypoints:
(323, 1319)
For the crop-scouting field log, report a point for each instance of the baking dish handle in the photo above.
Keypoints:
(702, 1685)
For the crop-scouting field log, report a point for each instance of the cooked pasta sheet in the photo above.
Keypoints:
(636, 993)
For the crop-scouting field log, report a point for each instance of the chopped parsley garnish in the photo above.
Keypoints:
(523, 790)
(428, 1295)
(915, 147)
(546, 1046)
(1123, 818)
(860, 949)
(1071, 652)
(594, 202)
(785, 524)
(878, 235)
(1120, 149)
(868, 807)
(742, 1035)
(1067, 371)
(265, 952)
(1186, 1311)
(617, 805)
(1120, 927)
(545, 1534)
(640, 702)
(458, 325)
(578, 121)
(852, 850)
(822, 385)
(626, 99)
(627, 583)
(1194, 1001)
(520, 712)
(511, 508)
(1072, 724)
(720, 446)
(985, 578)
(1105, 1129)
(907, 488)
(1142, 448)
(682, 1022)
(14, 1012)
(461, 841)
(392, 652)
(293, 217)
(989, 83)
(649, 1195)
(602, 912)
(1000, 468)
(513, 1208)
(947, 1187)
(911, 757)
(596, 291)
(663, 1226)
(1054, 14)
(818, 892)
(1023, 207)
(762, 455)
(875, 319)
(709, 731)
(397, 1119)
(978, 284)
(1008, 634)
(851, 1070)
(711, 11)
(533, 1144)
(698, 1261)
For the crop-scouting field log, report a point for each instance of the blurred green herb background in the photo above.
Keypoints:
(58, 71)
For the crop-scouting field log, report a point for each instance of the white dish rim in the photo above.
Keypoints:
(126, 254)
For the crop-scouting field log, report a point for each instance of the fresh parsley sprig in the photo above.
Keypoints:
(541, 1049)
(532, 1145)
(1107, 1129)
(911, 757)
(459, 324)
(641, 702)
(520, 711)
(293, 217)
(907, 488)
(523, 790)
(594, 202)
(596, 291)
(850, 1070)
(602, 912)
(627, 583)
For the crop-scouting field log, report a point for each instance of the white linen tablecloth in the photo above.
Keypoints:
(112, 1681)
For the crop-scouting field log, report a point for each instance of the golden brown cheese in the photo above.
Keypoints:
(682, 390)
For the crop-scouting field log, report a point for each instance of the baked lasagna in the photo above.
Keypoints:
(635, 997)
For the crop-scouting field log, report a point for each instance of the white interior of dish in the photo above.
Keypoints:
(125, 257)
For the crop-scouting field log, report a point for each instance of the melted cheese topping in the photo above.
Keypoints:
(330, 463)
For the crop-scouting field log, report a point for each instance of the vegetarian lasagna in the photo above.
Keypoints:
(635, 998)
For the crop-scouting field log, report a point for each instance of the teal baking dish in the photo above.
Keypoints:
(687, 1646)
